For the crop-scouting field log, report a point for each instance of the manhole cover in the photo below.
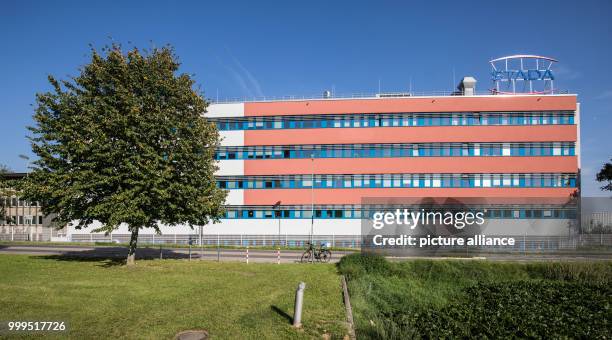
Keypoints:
(192, 335)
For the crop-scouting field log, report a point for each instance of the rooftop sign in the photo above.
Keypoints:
(523, 73)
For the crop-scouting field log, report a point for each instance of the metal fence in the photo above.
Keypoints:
(523, 243)
(342, 241)
(16, 237)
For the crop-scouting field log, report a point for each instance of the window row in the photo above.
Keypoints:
(21, 220)
(390, 120)
(399, 181)
(16, 202)
(396, 150)
(347, 213)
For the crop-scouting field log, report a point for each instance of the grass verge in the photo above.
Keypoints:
(157, 299)
(478, 299)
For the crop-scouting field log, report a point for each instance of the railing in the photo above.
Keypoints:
(363, 95)
(16, 237)
(529, 244)
(284, 240)
(523, 243)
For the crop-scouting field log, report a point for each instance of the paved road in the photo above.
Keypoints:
(286, 256)
(270, 256)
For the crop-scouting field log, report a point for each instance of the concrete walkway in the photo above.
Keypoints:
(255, 255)
(258, 255)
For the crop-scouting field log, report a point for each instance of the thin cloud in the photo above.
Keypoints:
(238, 78)
(250, 77)
(567, 72)
(252, 81)
(604, 95)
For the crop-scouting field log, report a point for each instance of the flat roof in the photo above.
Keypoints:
(384, 95)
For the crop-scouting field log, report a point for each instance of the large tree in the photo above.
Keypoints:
(605, 175)
(125, 142)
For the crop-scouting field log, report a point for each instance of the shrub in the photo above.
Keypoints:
(590, 272)
(474, 299)
(355, 265)
(524, 309)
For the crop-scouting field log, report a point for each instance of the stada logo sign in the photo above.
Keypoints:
(523, 73)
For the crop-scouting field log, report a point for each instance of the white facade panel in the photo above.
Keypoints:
(250, 227)
(225, 110)
(230, 167)
(527, 227)
(287, 227)
(578, 141)
(235, 197)
(232, 138)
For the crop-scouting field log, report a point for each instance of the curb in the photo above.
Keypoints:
(349, 310)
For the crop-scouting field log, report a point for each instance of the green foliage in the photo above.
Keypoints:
(481, 299)
(356, 265)
(598, 273)
(501, 310)
(125, 142)
(605, 175)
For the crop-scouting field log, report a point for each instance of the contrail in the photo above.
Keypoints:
(251, 79)
(238, 78)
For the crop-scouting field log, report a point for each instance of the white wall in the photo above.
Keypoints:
(252, 227)
(225, 110)
(232, 138)
(528, 227)
(235, 197)
(577, 122)
(230, 167)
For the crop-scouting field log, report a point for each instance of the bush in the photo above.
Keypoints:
(524, 309)
(355, 265)
(478, 299)
(599, 273)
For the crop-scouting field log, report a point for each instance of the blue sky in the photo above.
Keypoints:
(252, 48)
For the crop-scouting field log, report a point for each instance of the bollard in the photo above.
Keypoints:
(218, 249)
(161, 257)
(277, 255)
(247, 255)
(299, 299)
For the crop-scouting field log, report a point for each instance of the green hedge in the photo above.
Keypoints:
(479, 299)
(510, 309)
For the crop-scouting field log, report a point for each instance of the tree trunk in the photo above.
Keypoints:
(131, 258)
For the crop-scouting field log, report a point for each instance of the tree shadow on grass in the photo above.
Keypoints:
(114, 256)
(282, 313)
(103, 262)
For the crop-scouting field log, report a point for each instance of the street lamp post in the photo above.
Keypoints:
(277, 212)
(312, 199)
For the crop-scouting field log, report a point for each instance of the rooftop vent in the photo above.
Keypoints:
(467, 86)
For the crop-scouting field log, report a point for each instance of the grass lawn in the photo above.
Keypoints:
(157, 299)
(479, 299)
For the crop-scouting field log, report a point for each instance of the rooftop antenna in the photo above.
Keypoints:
(410, 85)
(378, 85)
(454, 83)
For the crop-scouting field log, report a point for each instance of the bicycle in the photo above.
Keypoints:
(321, 254)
